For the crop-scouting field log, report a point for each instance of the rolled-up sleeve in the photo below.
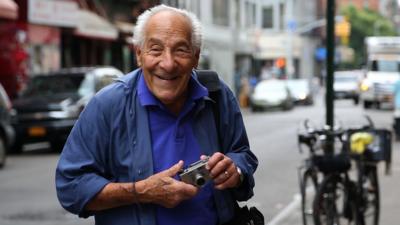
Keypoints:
(81, 171)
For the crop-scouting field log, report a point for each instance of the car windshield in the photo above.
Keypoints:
(385, 66)
(298, 85)
(345, 79)
(270, 86)
(53, 84)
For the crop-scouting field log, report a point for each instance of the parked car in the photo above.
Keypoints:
(301, 91)
(7, 134)
(347, 85)
(51, 103)
(271, 94)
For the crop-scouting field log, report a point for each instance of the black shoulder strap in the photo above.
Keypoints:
(210, 80)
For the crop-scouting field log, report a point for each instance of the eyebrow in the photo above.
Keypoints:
(182, 42)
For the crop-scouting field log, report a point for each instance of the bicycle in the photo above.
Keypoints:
(310, 172)
(341, 200)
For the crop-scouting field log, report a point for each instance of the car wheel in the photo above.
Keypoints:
(367, 105)
(356, 100)
(16, 148)
(3, 153)
(57, 146)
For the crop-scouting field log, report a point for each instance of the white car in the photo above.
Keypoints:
(347, 85)
(271, 94)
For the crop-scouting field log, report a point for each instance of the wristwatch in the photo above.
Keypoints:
(241, 176)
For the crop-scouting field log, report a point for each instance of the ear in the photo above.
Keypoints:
(197, 58)
(138, 53)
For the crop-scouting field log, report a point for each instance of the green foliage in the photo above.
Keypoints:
(365, 22)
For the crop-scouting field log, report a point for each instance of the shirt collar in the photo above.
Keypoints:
(196, 91)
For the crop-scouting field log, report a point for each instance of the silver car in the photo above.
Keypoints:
(271, 94)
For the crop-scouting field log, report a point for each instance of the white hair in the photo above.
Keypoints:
(138, 30)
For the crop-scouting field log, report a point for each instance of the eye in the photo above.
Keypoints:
(155, 50)
(183, 51)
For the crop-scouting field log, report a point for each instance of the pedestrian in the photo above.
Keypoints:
(122, 157)
(396, 104)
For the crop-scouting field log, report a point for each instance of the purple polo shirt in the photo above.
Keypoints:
(173, 140)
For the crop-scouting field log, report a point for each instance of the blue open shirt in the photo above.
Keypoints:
(111, 142)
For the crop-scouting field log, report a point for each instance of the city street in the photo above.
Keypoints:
(27, 195)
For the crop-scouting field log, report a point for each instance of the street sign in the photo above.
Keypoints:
(291, 25)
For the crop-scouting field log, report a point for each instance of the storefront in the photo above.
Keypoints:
(45, 22)
(89, 43)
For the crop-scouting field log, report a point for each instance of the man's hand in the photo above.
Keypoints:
(164, 190)
(223, 171)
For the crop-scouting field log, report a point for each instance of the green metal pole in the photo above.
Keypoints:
(330, 45)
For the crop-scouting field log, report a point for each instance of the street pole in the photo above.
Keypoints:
(330, 44)
(289, 47)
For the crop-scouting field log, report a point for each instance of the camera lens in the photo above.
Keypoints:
(200, 181)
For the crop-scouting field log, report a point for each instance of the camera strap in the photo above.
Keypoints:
(210, 80)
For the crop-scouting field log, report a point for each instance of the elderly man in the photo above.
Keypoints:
(121, 160)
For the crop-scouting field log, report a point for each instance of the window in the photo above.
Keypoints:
(175, 3)
(282, 16)
(220, 12)
(194, 7)
(250, 11)
(267, 16)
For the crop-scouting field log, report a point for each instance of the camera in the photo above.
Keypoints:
(196, 173)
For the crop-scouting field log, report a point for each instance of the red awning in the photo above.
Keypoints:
(8, 9)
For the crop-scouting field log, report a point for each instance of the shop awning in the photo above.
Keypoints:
(8, 9)
(93, 26)
(125, 27)
(276, 46)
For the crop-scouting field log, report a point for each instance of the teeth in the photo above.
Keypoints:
(163, 78)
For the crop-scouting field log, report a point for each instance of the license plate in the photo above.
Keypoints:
(37, 131)
(387, 98)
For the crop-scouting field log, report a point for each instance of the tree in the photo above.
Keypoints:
(365, 22)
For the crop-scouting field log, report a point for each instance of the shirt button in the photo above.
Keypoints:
(139, 171)
(134, 142)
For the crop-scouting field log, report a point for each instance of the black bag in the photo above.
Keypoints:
(246, 216)
(243, 215)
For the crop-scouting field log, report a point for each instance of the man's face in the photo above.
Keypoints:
(167, 57)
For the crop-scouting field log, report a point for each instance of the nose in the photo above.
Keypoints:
(167, 62)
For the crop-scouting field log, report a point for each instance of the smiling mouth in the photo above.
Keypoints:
(167, 78)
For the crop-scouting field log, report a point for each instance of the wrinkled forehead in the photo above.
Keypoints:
(169, 23)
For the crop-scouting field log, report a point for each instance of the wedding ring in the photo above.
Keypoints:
(226, 173)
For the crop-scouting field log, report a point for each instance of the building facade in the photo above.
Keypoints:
(242, 37)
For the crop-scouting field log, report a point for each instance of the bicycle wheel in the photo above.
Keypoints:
(333, 205)
(308, 188)
(370, 196)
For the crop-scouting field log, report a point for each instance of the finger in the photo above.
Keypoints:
(202, 157)
(189, 190)
(223, 176)
(229, 183)
(214, 159)
(221, 167)
(172, 171)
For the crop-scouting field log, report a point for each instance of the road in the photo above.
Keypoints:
(27, 195)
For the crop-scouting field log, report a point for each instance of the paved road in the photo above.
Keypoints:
(27, 195)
